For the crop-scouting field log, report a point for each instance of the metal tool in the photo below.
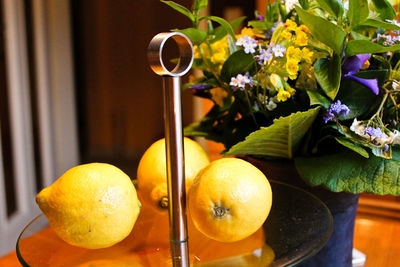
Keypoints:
(174, 138)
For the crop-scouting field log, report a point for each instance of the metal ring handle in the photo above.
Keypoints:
(155, 50)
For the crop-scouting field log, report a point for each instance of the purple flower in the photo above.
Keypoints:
(352, 65)
(200, 87)
(260, 17)
(375, 132)
(335, 110)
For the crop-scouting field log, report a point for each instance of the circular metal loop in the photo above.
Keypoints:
(155, 50)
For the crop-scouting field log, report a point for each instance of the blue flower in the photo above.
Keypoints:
(335, 110)
(352, 65)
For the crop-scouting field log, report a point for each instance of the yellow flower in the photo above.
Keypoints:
(304, 28)
(283, 95)
(301, 38)
(365, 65)
(290, 25)
(291, 90)
(219, 95)
(251, 32)
(219, 57)
(292, 67)
(286, 35)
(293, 53)
(307, 55)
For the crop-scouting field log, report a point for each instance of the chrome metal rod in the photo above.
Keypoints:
(175, 171)
(174, 139)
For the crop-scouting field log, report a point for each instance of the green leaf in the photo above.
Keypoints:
(304, 4)
(199, 5)
(358, 36)
(356, 47)
(347, 171)
(232, 45)
(318, 99)
(358, 98)
(195, 35)
(358, 11)
(385, 9)
(328, 73)
(220, 31)
(356, 148)
(257, 24)
(180, 9)
(237, 63)
(323, 30)
(223, 23)
(281, 139)
(333, 7)
(380, 24)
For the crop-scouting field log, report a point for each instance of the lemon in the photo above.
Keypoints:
(92, 205)
(152, 172)
(229, 200)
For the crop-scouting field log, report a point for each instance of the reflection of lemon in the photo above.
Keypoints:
(92, 205)
(229, 200)
(152, 173)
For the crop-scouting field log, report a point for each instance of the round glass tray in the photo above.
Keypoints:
(297, 227)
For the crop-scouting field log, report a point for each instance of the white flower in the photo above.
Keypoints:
(289, 4)
(395, 85)
(240, 81)
(248, 43)
(234, 82)
(268, 102)
(358, 128)
(249, 48)
(278, 50)
(271, 105)
(265, 55)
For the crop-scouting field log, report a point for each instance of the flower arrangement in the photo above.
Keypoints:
(317, 82)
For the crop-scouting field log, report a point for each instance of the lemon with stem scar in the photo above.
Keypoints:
(152, 172)
(229, 200)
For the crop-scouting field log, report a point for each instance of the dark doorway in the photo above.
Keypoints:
(119, 97)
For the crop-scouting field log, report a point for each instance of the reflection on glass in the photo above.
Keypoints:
(297, 227)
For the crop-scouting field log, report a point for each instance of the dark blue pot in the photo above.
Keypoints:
(343, 206)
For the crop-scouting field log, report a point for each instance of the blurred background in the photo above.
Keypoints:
(75, 87)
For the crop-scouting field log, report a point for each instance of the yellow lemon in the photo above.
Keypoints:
(92, 205)
(152, 173)
(229, 200)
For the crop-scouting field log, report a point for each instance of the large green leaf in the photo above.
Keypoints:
(385, 9)
(220, 31)
(328, 73)
(356, 47)
(181, 9)
(358, 11)
(323, 30)
(333, 7)
(348, 171)
(237, 63)
(195, 35)
(226, 25)
(281, 139)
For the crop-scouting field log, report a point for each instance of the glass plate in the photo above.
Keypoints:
(297, 227)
